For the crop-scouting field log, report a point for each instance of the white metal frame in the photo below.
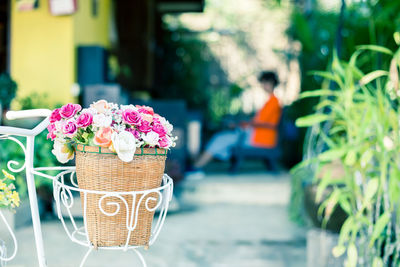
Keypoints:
(63, 192)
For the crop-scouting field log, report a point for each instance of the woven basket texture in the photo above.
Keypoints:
(104, 171)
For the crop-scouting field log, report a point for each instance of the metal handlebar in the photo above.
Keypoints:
(31, 113)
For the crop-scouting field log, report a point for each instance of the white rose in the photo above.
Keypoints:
(167, 125)
(62, 152)
(58, 125)
(151, 138)
(101, 120)
(124, 107)
(89, 110)
(124, 144)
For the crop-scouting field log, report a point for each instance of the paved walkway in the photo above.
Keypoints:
(238, 221)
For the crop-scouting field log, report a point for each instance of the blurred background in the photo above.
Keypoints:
(197, 62)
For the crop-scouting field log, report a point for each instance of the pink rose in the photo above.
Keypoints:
(103, 137)
(51, 128)
(69, 129)
(132, 117)
(84, 120)
(164, 142)
(159, 128)
(100, 106)
(135, 133)
(145, 110)
(55, 115)
(145, 127)
(69, 110)
(156, 117)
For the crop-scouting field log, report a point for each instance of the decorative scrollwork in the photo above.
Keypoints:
(73, 180)
(3, 256)
(113, 203)
(12, 165)
(67, 198)
(158, 201)
(129, 205)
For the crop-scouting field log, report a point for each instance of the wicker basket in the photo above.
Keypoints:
(100, 169)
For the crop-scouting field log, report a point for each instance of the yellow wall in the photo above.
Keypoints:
(89, 30)
(43, 47)
(42, 53)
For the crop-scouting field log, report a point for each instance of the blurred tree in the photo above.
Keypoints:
(321, 29)
(187, 69)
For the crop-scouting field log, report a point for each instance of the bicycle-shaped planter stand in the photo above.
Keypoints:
(65, 191)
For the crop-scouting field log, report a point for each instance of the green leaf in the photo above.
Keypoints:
(373, 76)
(310, 120)
(376, 48)
(352, 256)
(345, 205)
(396, 37)
(338, 251)
(366, 157)
(377, 262)
(331, 201)
(372, 188)
(332, 154)
(328, 76)
(324, 103)
(351, 158)
(345, 230)
(317, 93)
(336, 129)
(325, 181)
(379, 227)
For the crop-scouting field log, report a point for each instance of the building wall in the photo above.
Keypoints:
(43, 47)
(42, 53)
(89, 29)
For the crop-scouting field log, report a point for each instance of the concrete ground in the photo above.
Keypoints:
(235, 221)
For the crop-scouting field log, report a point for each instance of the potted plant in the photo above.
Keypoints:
(118, 148)
(359, 123)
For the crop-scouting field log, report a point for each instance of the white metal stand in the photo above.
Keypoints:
(65, 189)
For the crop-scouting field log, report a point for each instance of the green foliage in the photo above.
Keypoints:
(34, 100)
(191, 72)
(360, 129)
(364, 22)
(8, 89)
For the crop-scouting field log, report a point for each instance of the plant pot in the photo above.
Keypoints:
(337, 217)
(319, 249)
(111, 218)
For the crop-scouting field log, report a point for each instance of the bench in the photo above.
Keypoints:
(270, 156)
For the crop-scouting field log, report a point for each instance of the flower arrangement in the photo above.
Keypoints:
(9, 197)
(120, 128)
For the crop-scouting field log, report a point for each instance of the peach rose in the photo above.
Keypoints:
(103, 137)
(100, 106)
(147, 117)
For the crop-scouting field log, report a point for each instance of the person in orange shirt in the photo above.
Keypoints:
(260, 132)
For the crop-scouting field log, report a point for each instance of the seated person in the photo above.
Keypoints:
(260, 132)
